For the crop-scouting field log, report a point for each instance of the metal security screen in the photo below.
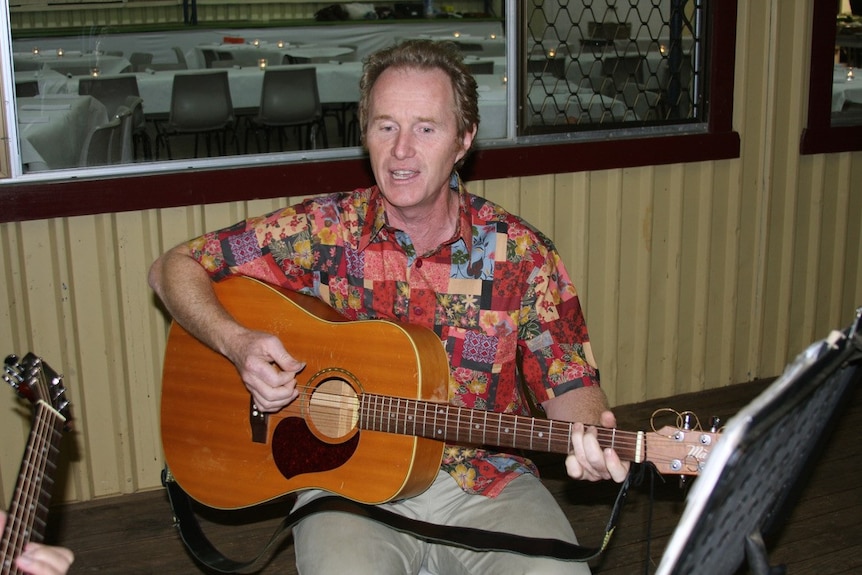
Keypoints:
(603, 64)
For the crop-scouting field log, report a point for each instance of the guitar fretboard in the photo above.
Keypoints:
(28, 511)
(477, 427)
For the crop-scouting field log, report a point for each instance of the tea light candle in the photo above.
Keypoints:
(849, 74)
(493, 36)
(662, 49)
(256, 43)
(261, 63)
(59, 52)
(281, 44)
(457, 34)
(552, 53)
(35, 50)
(505, 80)
(94, 72)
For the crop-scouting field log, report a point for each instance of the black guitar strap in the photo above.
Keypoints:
(464, 537)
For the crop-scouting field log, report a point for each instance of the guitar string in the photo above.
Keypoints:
(21, 516)
(330, 406)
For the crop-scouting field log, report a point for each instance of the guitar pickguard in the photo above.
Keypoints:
(297, 450)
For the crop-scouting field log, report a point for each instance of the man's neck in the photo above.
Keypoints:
(428, 228)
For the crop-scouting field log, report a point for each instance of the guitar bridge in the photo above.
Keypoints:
(258, 422)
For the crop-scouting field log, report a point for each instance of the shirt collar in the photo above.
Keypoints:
(376, 220)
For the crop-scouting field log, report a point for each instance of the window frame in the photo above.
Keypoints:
(495, 160)
(819, 136)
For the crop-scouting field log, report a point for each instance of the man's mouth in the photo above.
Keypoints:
(402, 174)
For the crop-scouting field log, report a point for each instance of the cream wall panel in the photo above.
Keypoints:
(14, 424)
(602, 286)
(665, 285)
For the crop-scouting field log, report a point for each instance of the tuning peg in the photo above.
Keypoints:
(714, 424)
(686, 421)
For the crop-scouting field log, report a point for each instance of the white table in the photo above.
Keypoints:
(500, 67)
(311, 53)
(250, 55)
(52, 129)
(367, 36)
(76, 64)
(555, 101)
(492, 106)
(478, 45)
(845, 88)
(50, 81)
(243, 54)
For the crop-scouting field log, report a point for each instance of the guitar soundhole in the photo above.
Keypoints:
(333, 409)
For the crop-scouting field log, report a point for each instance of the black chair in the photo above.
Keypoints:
(201, 106)
(102, 144)
(27, 89)
(289, 98)
(481, 67)
(180, 64)
(140, 61)
(217, 59)
(117, 91)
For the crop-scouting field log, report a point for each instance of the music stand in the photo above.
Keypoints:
(752, 475)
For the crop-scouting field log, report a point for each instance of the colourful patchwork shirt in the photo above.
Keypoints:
(496, 291)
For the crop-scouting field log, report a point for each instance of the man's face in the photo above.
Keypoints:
(412, 136)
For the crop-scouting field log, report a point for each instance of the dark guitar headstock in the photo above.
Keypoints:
(35, 381)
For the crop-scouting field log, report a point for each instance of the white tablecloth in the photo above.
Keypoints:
(366, 36)
(75, 64)
(845, 89)
(243, 54)
(477, 45)
(50, 81)
(52, 129)
(492, 106)
(557, 102)
(250, 55)
(650, 69)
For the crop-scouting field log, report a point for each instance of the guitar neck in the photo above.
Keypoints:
(477, 427)
(28, 511)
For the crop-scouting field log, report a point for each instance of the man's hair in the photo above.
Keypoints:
(423, 55)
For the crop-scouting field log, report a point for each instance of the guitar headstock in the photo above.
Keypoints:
(35, 381)
(678, 451)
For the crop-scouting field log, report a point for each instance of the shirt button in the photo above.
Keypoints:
(418, 263)
(417, 311)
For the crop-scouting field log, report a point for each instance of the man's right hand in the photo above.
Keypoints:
(266, 369)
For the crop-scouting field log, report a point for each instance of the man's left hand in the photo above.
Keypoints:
(588, 460)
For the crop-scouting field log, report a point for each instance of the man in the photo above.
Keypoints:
(417, 248)
(39, 559)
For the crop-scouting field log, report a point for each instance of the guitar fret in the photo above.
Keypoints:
(485, 429)
(455, 424)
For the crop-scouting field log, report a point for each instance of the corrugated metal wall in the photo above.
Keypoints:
(693, 276)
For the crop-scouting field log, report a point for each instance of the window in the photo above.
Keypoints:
(590, 65)
(834, 119)
(690, 120)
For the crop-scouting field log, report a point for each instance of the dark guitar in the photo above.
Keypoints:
(371, 419)
(35, 381)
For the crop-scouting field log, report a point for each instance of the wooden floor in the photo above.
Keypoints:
(134, 534)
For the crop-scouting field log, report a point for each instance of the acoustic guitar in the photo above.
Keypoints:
(35, 381)
(371, 419)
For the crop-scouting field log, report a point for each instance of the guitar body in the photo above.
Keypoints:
(225, 455)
